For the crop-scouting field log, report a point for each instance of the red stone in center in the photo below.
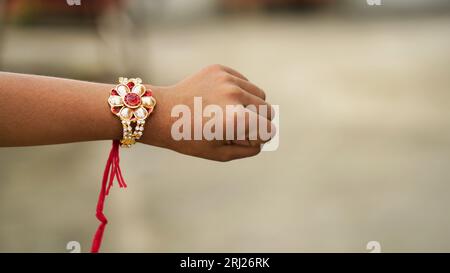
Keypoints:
(132, 100)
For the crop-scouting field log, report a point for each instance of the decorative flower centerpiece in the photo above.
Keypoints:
(130, 100)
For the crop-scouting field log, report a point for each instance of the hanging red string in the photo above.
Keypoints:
(112, 170)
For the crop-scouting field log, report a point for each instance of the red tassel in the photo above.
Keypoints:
(112, 170)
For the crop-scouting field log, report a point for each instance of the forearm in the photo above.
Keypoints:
(38, 110)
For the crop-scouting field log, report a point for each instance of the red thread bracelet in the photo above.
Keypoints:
(132, 103)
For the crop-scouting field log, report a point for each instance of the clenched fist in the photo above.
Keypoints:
(233, 109)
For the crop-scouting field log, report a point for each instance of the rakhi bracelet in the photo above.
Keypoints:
(132, 102)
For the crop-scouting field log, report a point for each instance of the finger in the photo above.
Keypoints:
(259, 129)
(250, 87)
(233, 72)
(248, 128)
(258, 105)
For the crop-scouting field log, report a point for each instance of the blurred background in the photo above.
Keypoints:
(364, 149)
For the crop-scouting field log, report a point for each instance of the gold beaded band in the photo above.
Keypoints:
(132, 102)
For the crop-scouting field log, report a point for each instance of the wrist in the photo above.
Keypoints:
(108, 127)
(158, 122)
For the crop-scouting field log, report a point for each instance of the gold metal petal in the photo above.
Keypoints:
(122, 89)
(139, 89)
(141, 113)
(126, 113)
(148, 102)
(115, 101)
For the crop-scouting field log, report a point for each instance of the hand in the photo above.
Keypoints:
(216, 85)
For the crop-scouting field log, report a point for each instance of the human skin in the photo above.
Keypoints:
(38, 110)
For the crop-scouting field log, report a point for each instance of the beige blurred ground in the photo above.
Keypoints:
(364, 144)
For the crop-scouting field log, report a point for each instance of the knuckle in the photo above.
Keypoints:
(225, 78)
(263, 95)
(215, 67)
(235, 92)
